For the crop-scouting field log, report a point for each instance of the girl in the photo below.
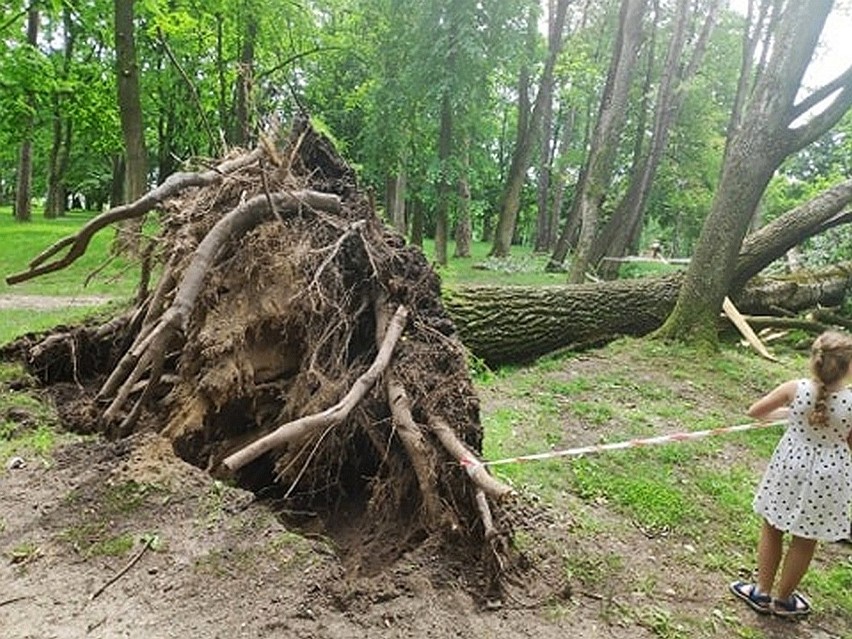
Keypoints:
(807, 489)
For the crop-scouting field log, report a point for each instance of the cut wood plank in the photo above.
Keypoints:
(743, 327)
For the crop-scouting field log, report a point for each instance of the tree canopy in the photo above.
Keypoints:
(509, 122)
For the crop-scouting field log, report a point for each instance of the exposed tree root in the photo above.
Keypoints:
(173, 185)
(297, 429)
(294, 342)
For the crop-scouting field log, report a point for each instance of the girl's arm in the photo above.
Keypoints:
(779, 398)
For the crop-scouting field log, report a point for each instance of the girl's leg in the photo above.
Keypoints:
(769, 550)
(796, 563)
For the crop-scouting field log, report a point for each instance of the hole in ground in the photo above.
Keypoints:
(342, 504)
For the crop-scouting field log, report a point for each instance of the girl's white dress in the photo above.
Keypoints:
(807, 488)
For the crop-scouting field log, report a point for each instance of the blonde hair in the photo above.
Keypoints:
(831, 354)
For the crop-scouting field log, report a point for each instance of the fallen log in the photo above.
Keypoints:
(502, 325)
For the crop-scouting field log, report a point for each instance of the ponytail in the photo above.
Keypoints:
(831, 355)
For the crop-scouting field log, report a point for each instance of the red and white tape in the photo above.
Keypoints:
(631, 443)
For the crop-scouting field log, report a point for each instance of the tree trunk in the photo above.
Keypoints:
(618, 229)
(130, 113)
(557, 199)
(417, 223)
(55, 204)
(395, 200)
(767, 136)
(242, 126)
(625, 225)
(464, 231)
(592, 189)
(503, 324)
(566, 237)
(511, 198)
(23, 183)
(753, 32)
(116, 191)
(442, 210)
(543, 231)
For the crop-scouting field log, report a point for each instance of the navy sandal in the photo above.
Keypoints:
(795, 606)
(749, 593)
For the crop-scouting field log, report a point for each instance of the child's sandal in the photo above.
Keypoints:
(795, 606)
(752, 596)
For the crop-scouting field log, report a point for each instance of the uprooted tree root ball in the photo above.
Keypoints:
(295, 343)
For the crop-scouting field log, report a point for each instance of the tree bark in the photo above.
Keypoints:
(55, 203)
(596, 177)
(464, 230)
(622, 230)
(130, 113)
(511, 198)
(242, 127)
(442, 211)
(547, 144)
(395, 200)
(768, 134)
(503, 325)
(23, 183)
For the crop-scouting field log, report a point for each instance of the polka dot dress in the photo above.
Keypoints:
(807, 488)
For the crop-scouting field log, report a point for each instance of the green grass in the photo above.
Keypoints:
(24, 241)
(27, 423)
(523, 267)
(96, 273)
(674, 487)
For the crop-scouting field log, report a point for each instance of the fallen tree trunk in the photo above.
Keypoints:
(504, 325)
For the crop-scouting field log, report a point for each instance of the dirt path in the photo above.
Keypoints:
(48, 302)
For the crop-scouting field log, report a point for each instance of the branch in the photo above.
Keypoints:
(78, 242)
(768, 321)
(830, 317)
(822, 122)
(149, 541)
(293, 58)
(770, 242)
(820, 94)
(331, 416)
(214, 144)
(745, 329)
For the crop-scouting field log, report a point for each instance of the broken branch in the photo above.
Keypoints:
(149, 542)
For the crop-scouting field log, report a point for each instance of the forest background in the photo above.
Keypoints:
(589, 129)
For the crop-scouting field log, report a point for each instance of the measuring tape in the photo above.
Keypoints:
(470, 463)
